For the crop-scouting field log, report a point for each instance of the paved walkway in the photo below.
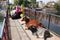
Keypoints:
(18, 32)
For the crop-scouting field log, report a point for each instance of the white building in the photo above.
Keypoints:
(11, 1)
(41, 4)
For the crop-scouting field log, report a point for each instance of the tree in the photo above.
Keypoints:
(26, 3)
(58, 1)
(19, 2)
(16, 2)
(57, 6)
(33, 2)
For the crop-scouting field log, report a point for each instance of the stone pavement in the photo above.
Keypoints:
(18, 32)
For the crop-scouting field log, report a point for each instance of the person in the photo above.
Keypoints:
(17, 9)
(22, 10)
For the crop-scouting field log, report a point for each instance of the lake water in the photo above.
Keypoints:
(1, 23)
(55, 28)
(0, 26)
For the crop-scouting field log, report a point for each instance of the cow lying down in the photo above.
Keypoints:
(29, 21)
(36, 28)
(39, 31)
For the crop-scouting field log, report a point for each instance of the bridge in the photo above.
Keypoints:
(13, 30)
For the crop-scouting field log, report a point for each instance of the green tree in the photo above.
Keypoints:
(1, 17)
(57, 6)
(33, 2)
(58, 1)
(16, 1)
(26, 3)
(19, 2)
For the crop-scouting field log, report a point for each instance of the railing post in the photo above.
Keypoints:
(29, 12)
(0, 39)
(49, 21)
(35, 15)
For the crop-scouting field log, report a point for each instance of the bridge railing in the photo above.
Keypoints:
(44, 19)
(4, 29)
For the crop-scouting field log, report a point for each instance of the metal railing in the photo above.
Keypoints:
(42, 17)
(4, 29)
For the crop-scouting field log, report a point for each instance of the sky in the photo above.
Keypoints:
(45, 0)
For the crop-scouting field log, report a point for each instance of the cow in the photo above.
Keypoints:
(29, 21)
(36, 27)
(16, 15)
(39, 32)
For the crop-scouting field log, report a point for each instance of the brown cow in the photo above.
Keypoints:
(36, 27)
(29, 21)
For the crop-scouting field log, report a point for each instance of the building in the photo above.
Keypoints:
(11, 1)
(51, 4)
(3, 3)
(41, 4)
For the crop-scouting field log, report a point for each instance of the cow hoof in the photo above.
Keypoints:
(38, 37)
